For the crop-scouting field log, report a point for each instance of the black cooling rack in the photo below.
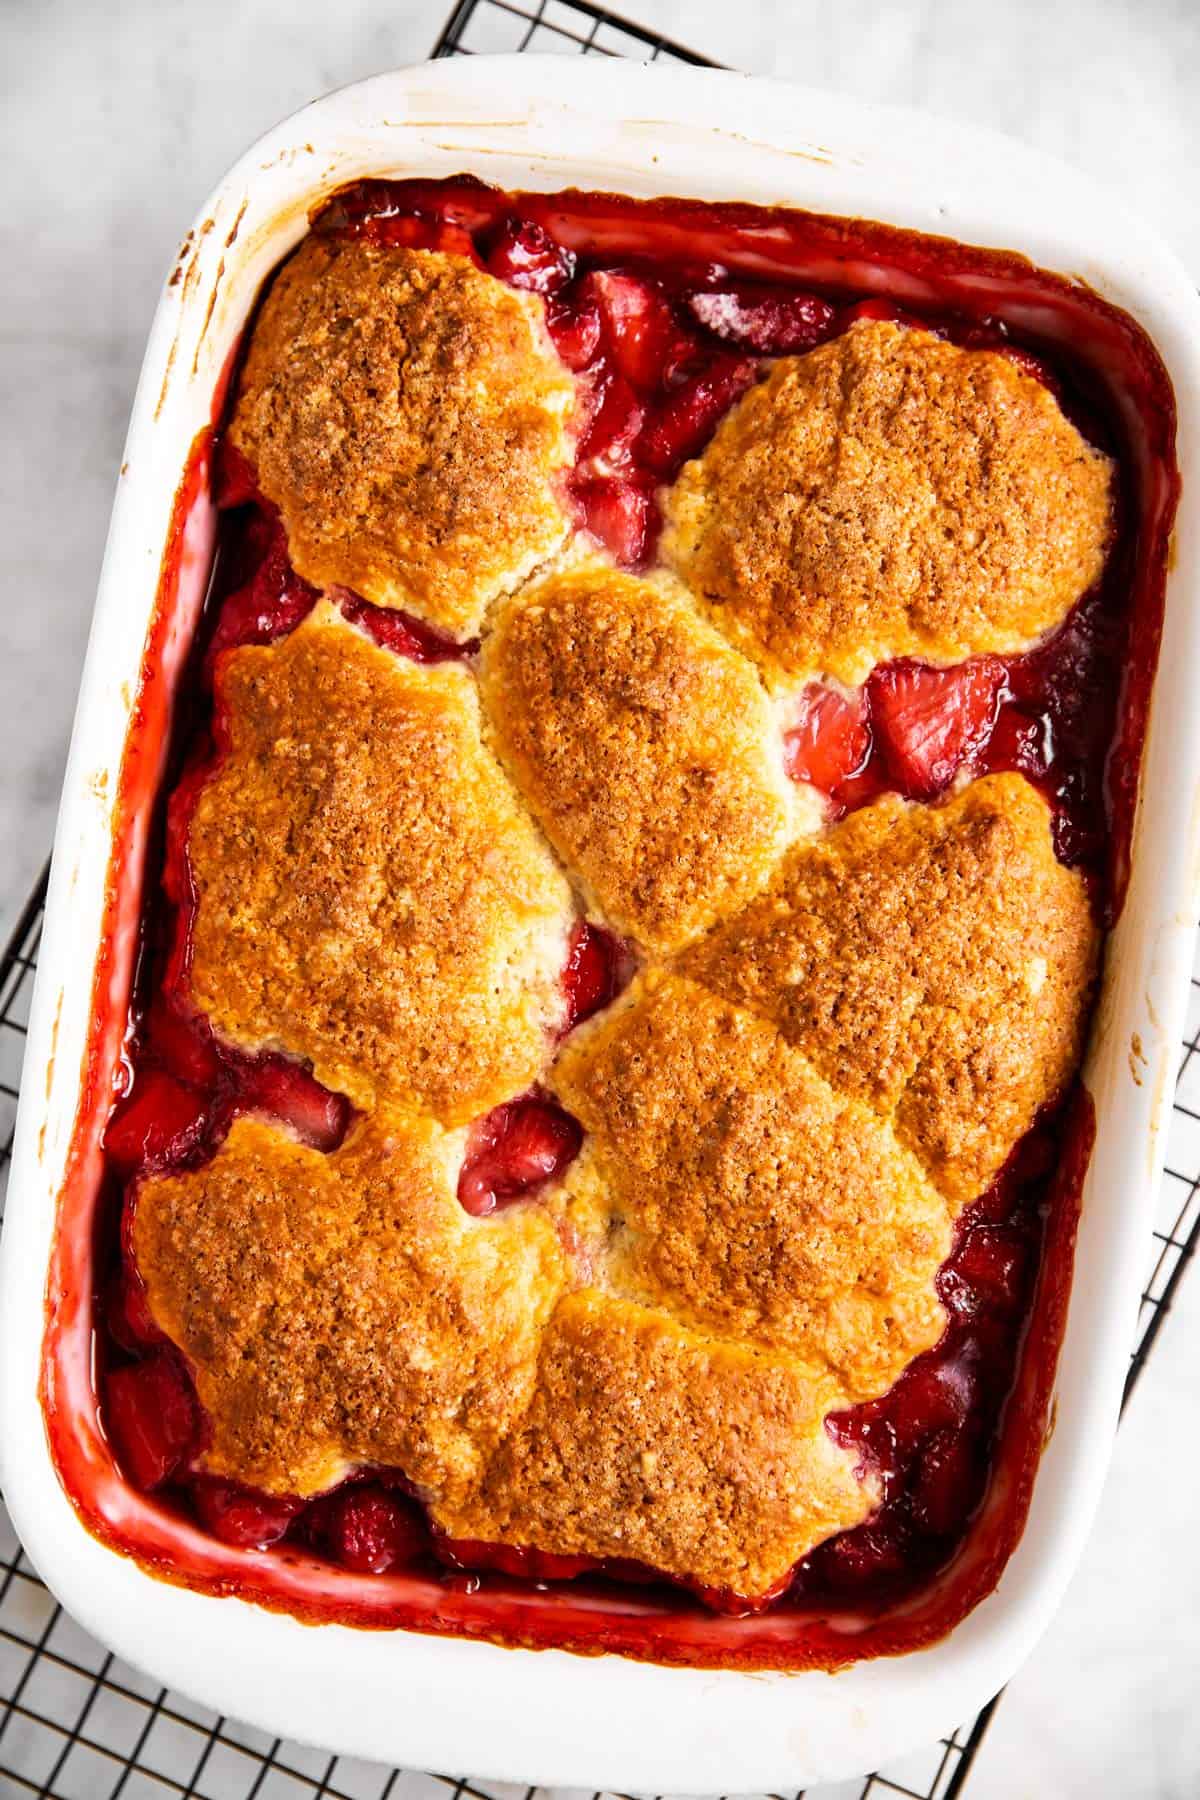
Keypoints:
(76, 1722)
(556, 28)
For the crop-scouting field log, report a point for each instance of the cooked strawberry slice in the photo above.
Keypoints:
(597, 968)
(575, 328)
(239, 1515)
(512, 1559)
(271, 603)
(527, 257)
(273, 1084)
(403, 634)
(151, 1416)
(466, 202)
(775, 321)
(370, 1530)
(644, 338)
(615, 421)
(619, 514)
(235, 482)
(829, 740)
(988, 1268)
(682, 425)
(859, 790)
(514, 1149)
(928, 722)
(127, 1311)
(403, 231)
(181, 1041)
(176, 876)
(159, 1123)
(1019, 741)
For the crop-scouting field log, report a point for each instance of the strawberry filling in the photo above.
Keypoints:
(575, 329)
(271, 603)
(929, 722)
(1047, 714)
(614, 423)
(514, 1150)
(928, 1440)
(620, 515)
(161, 1123)
(369, 206)
(645, 338)
(525, 256)
(830, 740)
(1021, 741)
(126, 1309)
(369, 1529)
(234, 480)
(274, 1084)
(403, 634)
(401, 232)
(238, 1515)
(884, 312)
(598, 966)
(681, 426)
(182, 1043)
(769, 321)
(946, 1470)
(152, 1418)
(188, 1087)
(523, 1561)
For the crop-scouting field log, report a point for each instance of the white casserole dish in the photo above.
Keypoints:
(548, 1716)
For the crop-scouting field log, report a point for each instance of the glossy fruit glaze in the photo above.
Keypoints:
(666, 311)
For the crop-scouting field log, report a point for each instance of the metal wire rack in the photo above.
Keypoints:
(556, 28)
(76, 1722)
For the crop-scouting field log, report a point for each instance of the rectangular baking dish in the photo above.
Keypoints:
(548, 1716)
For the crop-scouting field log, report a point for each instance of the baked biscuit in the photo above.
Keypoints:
(935, 962)
(370, 893)
(708, 1461)
(890, 494)
(344, 1309)
(409, 417)
(645, 746)
(749, 1196)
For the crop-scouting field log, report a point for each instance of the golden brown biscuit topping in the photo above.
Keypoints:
(408, 416)
(344, 1309)
(752, 1197)
(890, 494)
(370, 893)
(645, 746)
(703, 1459)
(934, 961)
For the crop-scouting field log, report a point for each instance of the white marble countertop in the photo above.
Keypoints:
(118, 119)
